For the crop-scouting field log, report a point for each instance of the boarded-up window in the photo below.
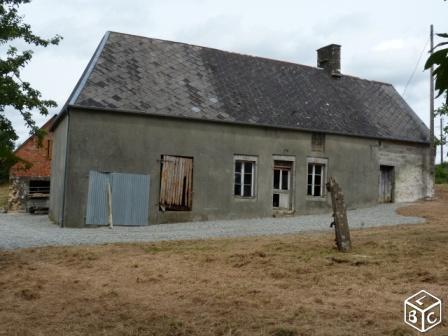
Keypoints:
(318, 142)
(176, 183)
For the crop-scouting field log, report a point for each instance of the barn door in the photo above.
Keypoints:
(386, 184)
(129, 199)
(97, 201)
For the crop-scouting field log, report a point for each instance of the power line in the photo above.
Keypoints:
(415, 68)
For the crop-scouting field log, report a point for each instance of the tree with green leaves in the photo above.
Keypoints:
(7, 138)
(439, 60)
(15, 93)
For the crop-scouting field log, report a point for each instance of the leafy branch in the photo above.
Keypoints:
(439, 60)
(14, 91)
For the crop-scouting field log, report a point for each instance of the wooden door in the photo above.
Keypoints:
(386, 184)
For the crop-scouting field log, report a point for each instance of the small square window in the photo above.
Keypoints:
(317, 142)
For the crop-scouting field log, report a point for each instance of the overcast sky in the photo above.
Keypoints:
(381, 40)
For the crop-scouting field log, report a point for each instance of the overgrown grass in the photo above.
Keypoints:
(4, 190)
(290, 285)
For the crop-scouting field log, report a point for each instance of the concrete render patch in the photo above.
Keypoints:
(19, 230)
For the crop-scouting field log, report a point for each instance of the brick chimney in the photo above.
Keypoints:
(329, 59)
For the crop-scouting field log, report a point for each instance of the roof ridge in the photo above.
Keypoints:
(246, 55)
(367, 80)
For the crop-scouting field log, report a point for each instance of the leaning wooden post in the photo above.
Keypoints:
(109, 199)
(340, 223)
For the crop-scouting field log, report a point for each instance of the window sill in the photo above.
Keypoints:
(316, 198)
(248, 198)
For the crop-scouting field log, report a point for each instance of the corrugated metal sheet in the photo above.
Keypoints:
(130, 199)
(97, 206)
(176, 183)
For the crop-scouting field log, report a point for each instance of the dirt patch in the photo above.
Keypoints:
(284, 285)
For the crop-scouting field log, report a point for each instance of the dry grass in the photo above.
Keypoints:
(4, 191)
(283, 286)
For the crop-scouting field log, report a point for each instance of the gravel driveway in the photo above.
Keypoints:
(24, 230)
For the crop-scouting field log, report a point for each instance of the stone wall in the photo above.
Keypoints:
(18, 189)
(410, 169)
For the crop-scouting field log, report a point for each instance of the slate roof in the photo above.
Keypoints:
(146, 75)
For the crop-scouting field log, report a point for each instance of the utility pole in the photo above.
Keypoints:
(431, 106)
(430, 158)
(441, 139)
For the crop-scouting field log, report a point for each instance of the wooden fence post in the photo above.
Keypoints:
(340, 222)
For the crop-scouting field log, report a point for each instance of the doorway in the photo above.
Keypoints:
(386, 184)
(118, 199)
(282, 185)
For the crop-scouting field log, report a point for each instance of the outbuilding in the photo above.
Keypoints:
(29, 179)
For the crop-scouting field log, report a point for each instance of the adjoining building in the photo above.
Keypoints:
(158, 131)
(29, 181)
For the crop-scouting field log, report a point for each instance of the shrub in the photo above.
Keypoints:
(442, 173)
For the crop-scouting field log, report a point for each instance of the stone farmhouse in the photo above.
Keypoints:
(158, 131)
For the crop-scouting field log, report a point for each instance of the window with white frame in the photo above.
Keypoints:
(244, 172)
(316, 177)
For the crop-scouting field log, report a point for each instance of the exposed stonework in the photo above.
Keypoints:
(411, 172)
(18, 189)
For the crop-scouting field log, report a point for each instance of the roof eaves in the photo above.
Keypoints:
(137, 112)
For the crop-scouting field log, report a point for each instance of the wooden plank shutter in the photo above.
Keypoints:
(176, 183)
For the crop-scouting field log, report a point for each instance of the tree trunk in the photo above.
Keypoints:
(340, 222)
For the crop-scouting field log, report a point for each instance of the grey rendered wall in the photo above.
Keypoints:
(134, 144)
(57, 171)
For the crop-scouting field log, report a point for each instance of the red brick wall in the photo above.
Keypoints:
(37, 156)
